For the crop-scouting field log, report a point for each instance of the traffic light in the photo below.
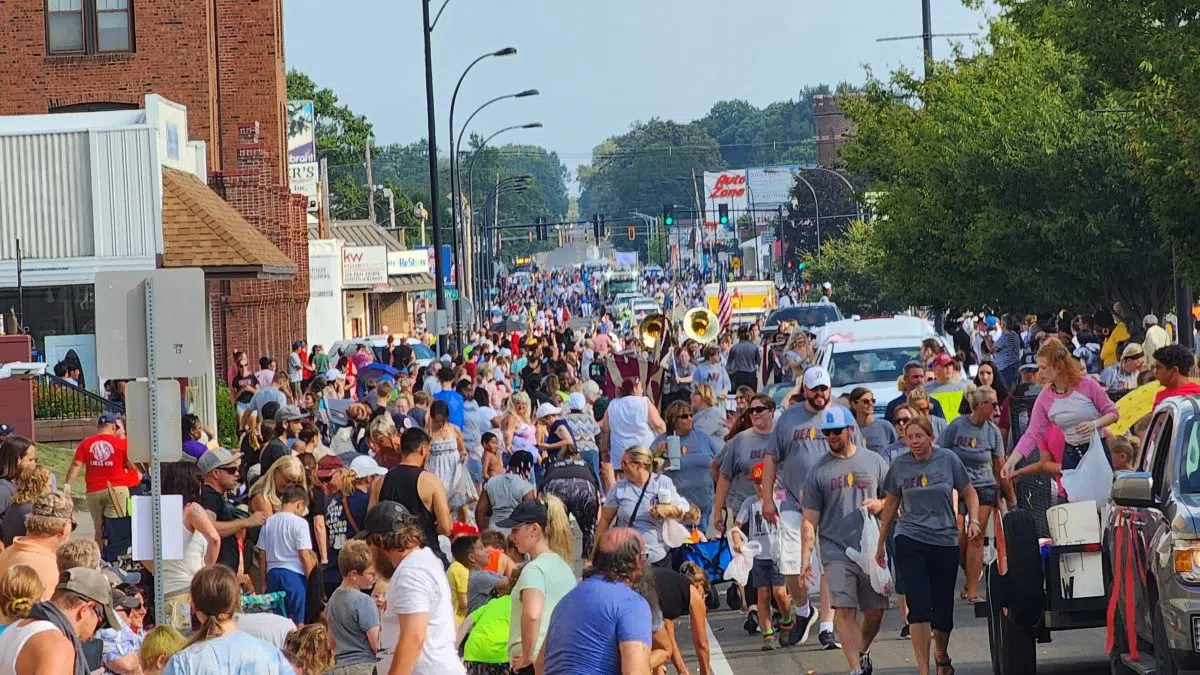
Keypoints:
(632, 232)
(668, 215)
(723, 213)
(603, 227)
(596, 226)
(803, 265)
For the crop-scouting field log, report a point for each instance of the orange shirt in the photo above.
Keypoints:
(26, 551)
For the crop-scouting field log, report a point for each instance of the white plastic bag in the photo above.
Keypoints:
(674, 534)
(739, 566)
(462, 488)
(864, 557)
(1092, 480)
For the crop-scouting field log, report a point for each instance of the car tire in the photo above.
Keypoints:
(1016, 648)
(1027, 600)
(732, 599)
(712, 599)
(1164, 662)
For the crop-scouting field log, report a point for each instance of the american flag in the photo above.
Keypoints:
(724, 306)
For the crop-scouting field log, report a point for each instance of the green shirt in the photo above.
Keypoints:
(489, 632)
(551, 575)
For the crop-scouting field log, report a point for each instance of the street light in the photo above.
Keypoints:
(484, 144)
(438, 282)
(510, 185)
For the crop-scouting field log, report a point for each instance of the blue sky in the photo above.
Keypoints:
(600, 64)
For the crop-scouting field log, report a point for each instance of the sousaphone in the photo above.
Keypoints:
(702, 325)
(650, 330)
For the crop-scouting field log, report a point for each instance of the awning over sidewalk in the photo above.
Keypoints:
(409, 283)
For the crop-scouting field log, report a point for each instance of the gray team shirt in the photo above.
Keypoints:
(836, 489)
(878, 434)
(798, 445)
(351, 614)
(926, 490)
(738, 457)
(976, 446)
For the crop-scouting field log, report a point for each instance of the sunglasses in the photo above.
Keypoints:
(232, 470)
(867, 400)
(820, 388)
(759, 409)
(684, 416)
(833, 432)
(903, 420)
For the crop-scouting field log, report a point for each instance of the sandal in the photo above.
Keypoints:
(945, 667)
(975, 599)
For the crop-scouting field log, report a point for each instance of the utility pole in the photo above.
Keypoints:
(391, 209)
(438, 279)
(370, 184)
(927, 35)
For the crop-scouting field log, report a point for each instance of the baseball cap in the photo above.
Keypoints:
(386, 517)
(460, 528)
(5, 430)
(1028, 362)
(93, 585)
(297, 344)
(816, 376)
(756, 473)
(107, 418)
(943, 359)
(991, 320)
(526, 512)
(835, 417)
(53, 505)
(364, 466)
(215, 459)
(327, 465)
(1132, 351)
(576, 401)
(547, 409)
(1150, 320)
(288, 413)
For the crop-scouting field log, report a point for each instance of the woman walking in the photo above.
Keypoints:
(642, 500)
(920, 485)
(877, 432)
(447, 452)
(631, 420)
(574, 482)
(501, 494)
(693, 478)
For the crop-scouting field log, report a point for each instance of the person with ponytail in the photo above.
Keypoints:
(541, 531)
(346, 510)
(217, 646)
(642, 500)
(20, 589)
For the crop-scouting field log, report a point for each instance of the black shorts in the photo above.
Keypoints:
(989, 495)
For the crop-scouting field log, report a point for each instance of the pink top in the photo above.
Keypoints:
(1054, 443)
(1086, 402)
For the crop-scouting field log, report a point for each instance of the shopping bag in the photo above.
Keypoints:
(738, 569)
(462, 488)
(1092, 480)
(864, 556)
(674, 534)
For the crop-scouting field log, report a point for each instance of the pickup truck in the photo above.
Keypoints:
(1153, 533)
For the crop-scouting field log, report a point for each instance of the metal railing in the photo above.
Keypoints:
(57, 399)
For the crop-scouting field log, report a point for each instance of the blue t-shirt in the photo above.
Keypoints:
(590, 623)
(454, 401)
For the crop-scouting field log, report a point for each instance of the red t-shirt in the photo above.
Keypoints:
(103, 457)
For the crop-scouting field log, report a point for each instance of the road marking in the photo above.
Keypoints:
(720, 666)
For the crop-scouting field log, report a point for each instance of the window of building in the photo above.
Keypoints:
(89, 26)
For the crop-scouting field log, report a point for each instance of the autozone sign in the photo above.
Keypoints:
(728, 186)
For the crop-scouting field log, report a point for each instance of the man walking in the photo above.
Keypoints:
(839, 485)
(108, 473)
(744, 360)
(914, 376)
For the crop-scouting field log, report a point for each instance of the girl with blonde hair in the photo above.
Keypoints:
(264, 496)
(310, 649)
(20, 589)
(31, 482)
(159, 645)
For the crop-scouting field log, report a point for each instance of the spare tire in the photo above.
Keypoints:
(1025, 585)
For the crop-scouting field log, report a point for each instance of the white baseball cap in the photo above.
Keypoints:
(547, 409)
(816, 376)
(365, 466)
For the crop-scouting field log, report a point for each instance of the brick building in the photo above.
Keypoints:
(222, 59)
(832, 128)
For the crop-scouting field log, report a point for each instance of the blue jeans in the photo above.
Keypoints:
(475, 468)
(295, 591)
(592, 457)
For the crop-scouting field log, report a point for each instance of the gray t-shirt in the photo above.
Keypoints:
(798, 445)
(504, 493)
(976, 446)
(351, 614)
(878, 434)
(295, 368)
(836, 489)
(480, 586)
(926, 490)
(891, 452)
(744, 357)
(738, 457)
(624, 497)
(953, 385)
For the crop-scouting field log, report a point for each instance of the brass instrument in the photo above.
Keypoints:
(702, 325)
(651, 330)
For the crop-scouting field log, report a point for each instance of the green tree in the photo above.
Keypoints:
(854, 266)
(1003, 188)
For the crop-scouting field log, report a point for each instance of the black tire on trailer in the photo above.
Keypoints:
(1025, 587)
(1016, 648)
(732, 599)
(712, 599)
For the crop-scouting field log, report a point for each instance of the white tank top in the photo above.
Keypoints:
(177, 574)
(628, 424)
(13, 640)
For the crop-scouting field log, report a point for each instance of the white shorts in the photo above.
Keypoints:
(790, 556)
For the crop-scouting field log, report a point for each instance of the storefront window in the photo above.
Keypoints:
(52, 310)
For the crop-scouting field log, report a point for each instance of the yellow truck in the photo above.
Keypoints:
(749, 299)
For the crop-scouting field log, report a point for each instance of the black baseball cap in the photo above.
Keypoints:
(526, 512)
(387, 516)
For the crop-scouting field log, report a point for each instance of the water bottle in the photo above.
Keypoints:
(674, 452)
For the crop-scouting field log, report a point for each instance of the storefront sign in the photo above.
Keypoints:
(407, 262)
(303, 179)
(322, 276)
(302, 124)
(728, 188)
(364, 266)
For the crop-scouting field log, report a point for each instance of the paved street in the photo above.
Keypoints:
(1071, 653)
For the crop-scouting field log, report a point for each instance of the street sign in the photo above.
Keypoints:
(178, 321)
(768, 238)
(437, 322)
(137, 421)
(453, 294)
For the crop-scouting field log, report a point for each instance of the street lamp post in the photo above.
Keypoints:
(438, 282)
(484, 144)
(512, 184)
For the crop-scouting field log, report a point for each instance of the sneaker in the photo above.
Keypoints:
(864, 664)
(827, 640)
(751, 623)
(769, 643)
(904, 635)
(801, 629)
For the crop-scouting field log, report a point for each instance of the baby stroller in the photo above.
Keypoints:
(712, 557)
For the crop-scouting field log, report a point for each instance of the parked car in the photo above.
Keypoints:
(422, 355)
(1154, 525)
(809, 315)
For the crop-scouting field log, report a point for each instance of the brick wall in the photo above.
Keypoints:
(831, 128)
(393, 312)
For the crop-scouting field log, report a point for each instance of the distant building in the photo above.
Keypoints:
(832, 129)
